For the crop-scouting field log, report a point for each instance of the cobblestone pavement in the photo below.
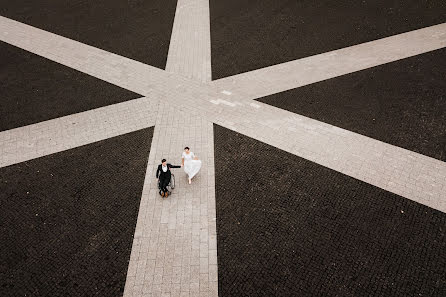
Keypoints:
(290, 75)
(307, 230)
(175, 247)
(63, 232)
(253, 34)
(48, 137)
(403, 172)
(174, 250)
(139, 30)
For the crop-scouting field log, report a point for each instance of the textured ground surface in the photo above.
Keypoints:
(248, 35)
(136, 29)
(402, 103)
(321, 233)
(289, 227)
(35, 89)
(68, 219)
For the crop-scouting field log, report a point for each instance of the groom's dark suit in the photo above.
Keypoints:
(164, 176)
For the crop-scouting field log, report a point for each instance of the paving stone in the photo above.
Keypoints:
(167, 229)
(139, 30)
(190, 46)
(297, 73)
(35, 89)
(302, 228)
(63, 232)
(401, 103)
(248, 35)
(177, 256)
(44, 138)
(310, 138)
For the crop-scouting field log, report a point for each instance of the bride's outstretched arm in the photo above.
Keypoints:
(182, 161)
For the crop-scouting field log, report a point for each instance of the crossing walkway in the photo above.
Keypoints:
(412, 175)
(174, 251)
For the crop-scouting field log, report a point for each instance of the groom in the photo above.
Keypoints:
(163, 175)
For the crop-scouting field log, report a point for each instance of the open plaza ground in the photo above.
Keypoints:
(321, 127)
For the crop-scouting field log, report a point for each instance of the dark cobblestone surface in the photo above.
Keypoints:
(67, 219)
(289, 227)
(252, 34)
(35, 89)
(135, 29)
(402, 103)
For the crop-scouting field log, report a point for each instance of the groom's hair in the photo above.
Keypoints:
(186, 148)
(163, 160)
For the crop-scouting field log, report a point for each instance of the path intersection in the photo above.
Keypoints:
(321, 129)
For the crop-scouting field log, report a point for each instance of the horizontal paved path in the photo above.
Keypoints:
(411, 175)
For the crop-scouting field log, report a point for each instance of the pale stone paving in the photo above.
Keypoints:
(190, 44)
(290, 75)
(174, 252)
(411, 175)
(52, 136)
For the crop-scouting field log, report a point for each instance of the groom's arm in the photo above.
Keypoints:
(175, 166)
(157, 172)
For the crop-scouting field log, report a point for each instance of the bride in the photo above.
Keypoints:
(190, 163)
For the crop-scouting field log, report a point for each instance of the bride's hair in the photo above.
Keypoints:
(187, 148)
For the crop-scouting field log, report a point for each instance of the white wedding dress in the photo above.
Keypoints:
(191, 166)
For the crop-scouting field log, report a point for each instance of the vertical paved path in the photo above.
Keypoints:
(174, 251)
(190, 45)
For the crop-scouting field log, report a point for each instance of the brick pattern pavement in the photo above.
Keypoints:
(48, 137)
(290, 75)
(174, 251)
(190, 44)
(68, 219)
(306, 230)
(406, 173)
(253, 34)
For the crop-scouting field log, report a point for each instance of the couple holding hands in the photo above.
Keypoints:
(189, 162)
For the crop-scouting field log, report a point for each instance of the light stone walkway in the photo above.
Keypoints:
(174, 251)
(290, 75)
(52, 136)
(406, 173)
(190, 44)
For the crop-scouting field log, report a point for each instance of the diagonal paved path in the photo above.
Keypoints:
(174, 251)
(298, 73)
(52, 136)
